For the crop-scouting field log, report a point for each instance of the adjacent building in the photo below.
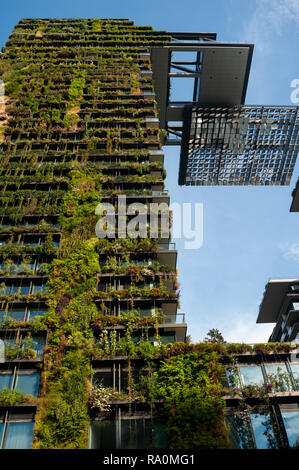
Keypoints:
(262, 408)
(280, 305)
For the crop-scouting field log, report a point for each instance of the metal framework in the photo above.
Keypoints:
(219, 71)
(239, 145)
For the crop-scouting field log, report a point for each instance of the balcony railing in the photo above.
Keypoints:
(166, 246)
(177, 318)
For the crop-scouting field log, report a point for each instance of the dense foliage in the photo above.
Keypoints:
(191, 388)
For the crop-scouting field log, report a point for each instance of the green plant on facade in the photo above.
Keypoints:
(21, 349)
(191, 388)
(76, 125)
(14, 397)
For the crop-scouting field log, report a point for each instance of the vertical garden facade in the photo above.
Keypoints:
(93, 353)
(78, 127)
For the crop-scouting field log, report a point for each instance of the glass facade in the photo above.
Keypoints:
(295, 374)
(16, 347)
(252, 431)
(28, 383)
(21, 313)
(290, 416)
(251, 375)
(113, 377)
(16, 434)
(279, 377)
(24, 382)
(127, 434)
(282, 377)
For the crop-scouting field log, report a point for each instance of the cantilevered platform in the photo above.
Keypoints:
(276, 293)
(220, 75)
(239, 145)
(223, 141)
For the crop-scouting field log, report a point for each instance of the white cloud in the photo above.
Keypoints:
(291, 251)
(235, 328)
(242, 328)
(270, 18)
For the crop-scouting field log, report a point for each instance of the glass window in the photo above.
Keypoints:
(5, 381)
(263, 431)
(142, 262)
(102, 435)
(252, 431)
(28, 383)
(38, 288)
(295, 372)
(34, 312)
(10, 290)
(24, 290)
(127, 434)
(165, 339)
(36, 267)
(232, 377)
(252, 375)
(16, 313)
(124, 380)
(39, 344)
(240, 432)
(102, 286)
(24, 267)
(35, 342)
(147, 312)
(11, 348)
(279, 377)
(141, 434)
(291, 422)
(19, 435)
(104, 378)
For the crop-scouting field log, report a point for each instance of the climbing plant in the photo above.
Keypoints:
(191, 388)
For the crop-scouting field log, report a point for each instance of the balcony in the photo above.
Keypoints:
(167, 254)
(274, 296)
(177, 318)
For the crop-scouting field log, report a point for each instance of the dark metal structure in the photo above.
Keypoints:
(240, 145)
(223, 141)
(219, 71)
(280, 305)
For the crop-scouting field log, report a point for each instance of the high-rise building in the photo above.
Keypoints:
(280, 305)
(79, 127)
(85, 319)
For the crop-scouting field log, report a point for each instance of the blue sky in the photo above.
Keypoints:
(249, 234)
